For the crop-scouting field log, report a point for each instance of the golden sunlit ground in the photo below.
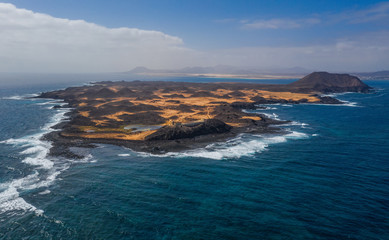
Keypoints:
(112, 117)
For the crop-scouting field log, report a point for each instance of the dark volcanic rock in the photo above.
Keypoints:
(144, 118)
(184, 108)
(202, 94)
(174, 96)
(178, 131)
(93, 105)
(329, 100)
(243, 105)
(105, 93)
(329, 82)
(125, 92)
(237, 94)
(82, 121)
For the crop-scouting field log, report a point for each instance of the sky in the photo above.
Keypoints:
(74, 36)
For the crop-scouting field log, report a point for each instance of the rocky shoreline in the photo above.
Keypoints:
(171, 139)
(62, 146)
(160, 117)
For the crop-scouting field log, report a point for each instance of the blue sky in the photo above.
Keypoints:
(318, 35)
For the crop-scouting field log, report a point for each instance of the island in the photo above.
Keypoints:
(164, 116)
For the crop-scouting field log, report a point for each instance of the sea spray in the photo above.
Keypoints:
(241, 146)
(45, 168)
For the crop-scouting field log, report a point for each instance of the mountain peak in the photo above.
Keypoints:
(140, 69)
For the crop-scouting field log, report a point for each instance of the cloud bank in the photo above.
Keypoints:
(365, 53)
(39, 42)
(35, 42)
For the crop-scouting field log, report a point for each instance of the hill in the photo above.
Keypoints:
(330, 82)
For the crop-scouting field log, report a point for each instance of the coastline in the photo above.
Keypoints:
(161, 117)
(62, 146)
(279, 155)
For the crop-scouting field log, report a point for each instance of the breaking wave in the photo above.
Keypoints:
(294, 123)
(343, 104)
(45, 169)
(20, 97)
(240, 146)
(349, 104)
(271, 115)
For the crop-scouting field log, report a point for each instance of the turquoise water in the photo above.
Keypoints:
(327, 178)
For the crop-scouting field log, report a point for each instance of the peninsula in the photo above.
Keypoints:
(161, 116)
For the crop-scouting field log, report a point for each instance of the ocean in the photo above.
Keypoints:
(326, 178)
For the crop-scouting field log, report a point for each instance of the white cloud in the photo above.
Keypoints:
(279, 23)
(378, 12)
(369, 52)
(34, 42)
(38, 42)
(375, 13)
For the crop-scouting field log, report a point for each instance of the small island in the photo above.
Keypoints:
(162, 116)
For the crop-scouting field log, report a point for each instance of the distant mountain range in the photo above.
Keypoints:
(225, 71)
(380, 75)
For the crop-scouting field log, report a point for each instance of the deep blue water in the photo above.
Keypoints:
(328, 178)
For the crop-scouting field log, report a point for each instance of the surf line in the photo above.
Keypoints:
(44, 173)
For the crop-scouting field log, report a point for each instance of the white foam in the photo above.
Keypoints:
(242, 145)
(46, 169)
(54, 102)
(124, 155)
(41, 161)
(271, 115)
(269, 108)
(58, 222)
(10, 199)
(294, 123)
(45, 192)
(37, 150)
(46, 103)
(265, 107)
(349, 104)
(271, 105)
(32, 150)
(343, 104)
(303, 125)
(296, 135)
(17, 204)
(335, 94)
(87, 159)
(20, 97)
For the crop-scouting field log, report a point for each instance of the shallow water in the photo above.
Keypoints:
(327, 178)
